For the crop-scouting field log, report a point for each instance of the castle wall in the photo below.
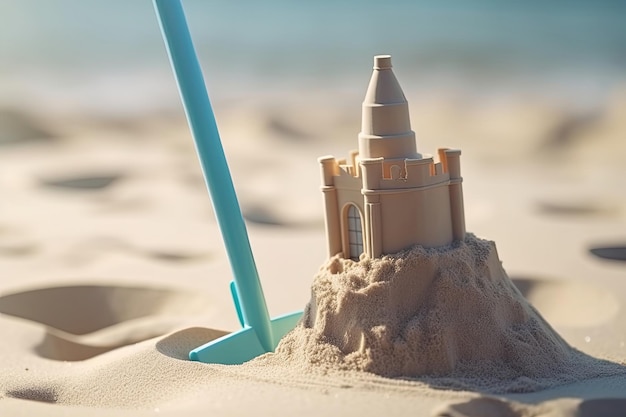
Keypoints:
(414, 217)
(401, 202)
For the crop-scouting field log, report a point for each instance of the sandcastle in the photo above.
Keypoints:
(406, 292)
(387, 197)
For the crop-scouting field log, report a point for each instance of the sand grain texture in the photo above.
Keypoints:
(450, 315)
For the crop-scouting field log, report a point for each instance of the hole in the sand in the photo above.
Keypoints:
(179, 344)
(86, 320)
(78, 182)
(262, 216)
(478, 407)
(577, 208)
(44, 395)
(602, 407)
(18, 249)
(17, 126)
(568, 303)
(613, 253)
(565, 133)
(90, 249)
(283, 130)
(170, 256)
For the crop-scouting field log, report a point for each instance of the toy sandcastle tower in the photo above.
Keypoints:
(386, 196)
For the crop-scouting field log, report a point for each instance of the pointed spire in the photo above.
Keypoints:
(386, 128)
(384, 87)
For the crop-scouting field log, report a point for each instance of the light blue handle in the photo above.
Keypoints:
(216, 173)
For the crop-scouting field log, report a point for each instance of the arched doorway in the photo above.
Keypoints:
(355, 232)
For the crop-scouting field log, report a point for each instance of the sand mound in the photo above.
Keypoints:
(450, 315)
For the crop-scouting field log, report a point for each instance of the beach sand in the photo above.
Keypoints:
(113, 267)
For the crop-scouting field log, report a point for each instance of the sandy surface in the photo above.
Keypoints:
(113, 268)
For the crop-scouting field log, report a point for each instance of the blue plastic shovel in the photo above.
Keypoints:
(259, 334)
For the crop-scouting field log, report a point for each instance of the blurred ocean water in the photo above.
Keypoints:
(109, 56)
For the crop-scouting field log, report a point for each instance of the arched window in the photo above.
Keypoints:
(355, 232)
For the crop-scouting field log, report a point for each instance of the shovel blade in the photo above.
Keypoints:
(243, 345)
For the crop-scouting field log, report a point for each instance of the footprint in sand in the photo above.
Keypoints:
(17, 248)
(579, 207)
(602, 407)
(579, 304)
(83, 321)
(266, 216)
(493, 407)
(16, 245)
(82, 182)
(478, 407)
(13, 243)
(18, 127)
(94, 248)
(44, 395)
(262, 216)
(589, 208)
(613, 253)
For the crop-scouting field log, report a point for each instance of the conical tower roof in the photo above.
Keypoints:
(386, 128)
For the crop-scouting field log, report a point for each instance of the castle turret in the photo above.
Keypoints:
(386, 128)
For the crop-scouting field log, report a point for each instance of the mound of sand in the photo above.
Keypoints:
(449, 315)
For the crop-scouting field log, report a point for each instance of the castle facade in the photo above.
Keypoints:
(386, 196)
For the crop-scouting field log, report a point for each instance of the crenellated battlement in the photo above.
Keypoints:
(389, 174)
(385, 174)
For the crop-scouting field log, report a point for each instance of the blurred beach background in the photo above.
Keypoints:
(107, 58)
(90, 49)
(101, 192)
(99, 176)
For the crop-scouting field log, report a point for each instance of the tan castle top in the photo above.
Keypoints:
(388, 197)
(386, 128)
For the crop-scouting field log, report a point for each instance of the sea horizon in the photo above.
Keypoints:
(110, 56)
